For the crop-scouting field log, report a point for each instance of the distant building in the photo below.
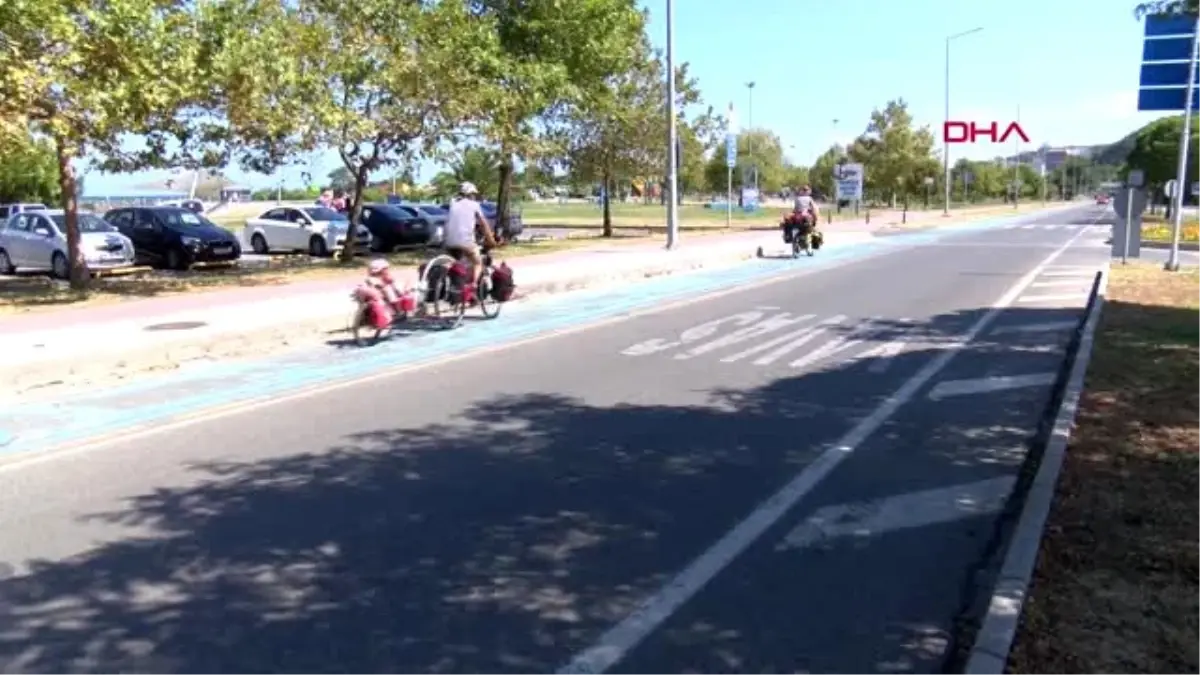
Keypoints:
(130, 197)
(235, 193)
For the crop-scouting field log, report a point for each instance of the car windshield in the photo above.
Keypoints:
(322, 214)
(184, 218)
(87, 223)
(488, 208)
(433, 210)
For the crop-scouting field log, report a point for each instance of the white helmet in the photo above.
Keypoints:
(377, 266)
(468, 188)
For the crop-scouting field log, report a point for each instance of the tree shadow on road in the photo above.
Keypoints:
(503, 539)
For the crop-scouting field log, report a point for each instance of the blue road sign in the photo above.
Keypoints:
(1167, 49)
(1170, 24)
(1166, 75)
(730, 150)
(1166, 100)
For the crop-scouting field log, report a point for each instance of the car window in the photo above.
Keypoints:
(19, 223)
(40, 225)
(4, 212)
(183, 218)
(143, 220)
(295, 216)
(120, 218)
(87, 223)
(434, 210)
(274, 214)
(320, 213)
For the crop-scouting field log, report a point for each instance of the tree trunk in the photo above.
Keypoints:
(504, 198)
(80, 276)
(360, 183)
(608, 231)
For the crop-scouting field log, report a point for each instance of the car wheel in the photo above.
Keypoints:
(317, 247)
(259, 244)
(59, 267)
(176, 260)
(6, 266)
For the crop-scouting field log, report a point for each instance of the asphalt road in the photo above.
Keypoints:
(703, 488)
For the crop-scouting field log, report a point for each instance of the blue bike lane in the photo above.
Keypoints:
(36, 424)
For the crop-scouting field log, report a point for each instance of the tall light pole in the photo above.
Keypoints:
(945, 145)
(672, 163)
(750, 127)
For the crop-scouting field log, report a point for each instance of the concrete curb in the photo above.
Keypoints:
(96, 368)
(995, 638)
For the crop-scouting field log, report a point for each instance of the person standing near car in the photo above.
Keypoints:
(465, 218)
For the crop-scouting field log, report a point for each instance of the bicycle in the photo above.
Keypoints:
(436, 287)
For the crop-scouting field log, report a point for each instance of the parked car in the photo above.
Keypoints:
(392, 226)
(173, 237)
(515, 223)
(316, 229)
(9, 210)
(1102, 199)
(37, 240)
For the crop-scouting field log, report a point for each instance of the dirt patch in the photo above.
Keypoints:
(37, 292)
(1115, 588)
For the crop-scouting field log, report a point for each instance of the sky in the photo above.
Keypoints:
(1069, 67)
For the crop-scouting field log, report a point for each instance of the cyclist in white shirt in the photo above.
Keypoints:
(466, 217)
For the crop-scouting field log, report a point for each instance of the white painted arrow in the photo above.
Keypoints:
(901, 512)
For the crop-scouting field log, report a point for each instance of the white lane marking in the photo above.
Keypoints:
(1058, 283)
(841, 344)
(884, 356)
(768, 325)
(1079, 274)
(901, 512)
(986, 385)
(1081, 296)
(651, 612)
(789, 341)
(1036, 327)
(693, 334)
(1028, 227)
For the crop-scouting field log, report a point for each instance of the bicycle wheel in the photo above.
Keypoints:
(448, 306)
(483, 295)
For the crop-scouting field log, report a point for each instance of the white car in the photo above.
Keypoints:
(315, 229)
(37, 240)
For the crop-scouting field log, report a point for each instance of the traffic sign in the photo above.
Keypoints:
(1169, 188)
(1136, 178)
(1167, 53)
(848, 180)
(730, 150)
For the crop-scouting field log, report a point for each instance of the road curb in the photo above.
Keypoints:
(994, 640)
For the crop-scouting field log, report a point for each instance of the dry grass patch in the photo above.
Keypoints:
(1115, 589)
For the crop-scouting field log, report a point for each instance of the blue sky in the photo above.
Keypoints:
(1071, 66)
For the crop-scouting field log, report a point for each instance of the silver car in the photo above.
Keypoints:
(37, 240)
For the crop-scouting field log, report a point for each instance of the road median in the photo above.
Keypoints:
(1115, 585)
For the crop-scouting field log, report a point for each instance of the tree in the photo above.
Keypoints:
(1156, 151)
(86, 79)
(552, 53)
(617, 132)
(382, 82)
(820, 176)
(28, 170)
(896, 156)
(1144, 9)
(476, 165)
(341, 179)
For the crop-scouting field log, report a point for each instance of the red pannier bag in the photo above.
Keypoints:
(502, 283)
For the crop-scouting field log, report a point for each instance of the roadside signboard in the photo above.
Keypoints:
(848, 182)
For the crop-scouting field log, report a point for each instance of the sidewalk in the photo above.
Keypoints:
(114, 340)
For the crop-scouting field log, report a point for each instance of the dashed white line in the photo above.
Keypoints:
(1058, 297)
(1036, 327)
(1057, 284)
(987, 385)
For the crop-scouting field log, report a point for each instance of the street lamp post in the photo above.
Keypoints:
(1181, 175)
(750, 127)
(672, 162)
(945, 145)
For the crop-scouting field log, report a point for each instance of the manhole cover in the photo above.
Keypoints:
(178, 325)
